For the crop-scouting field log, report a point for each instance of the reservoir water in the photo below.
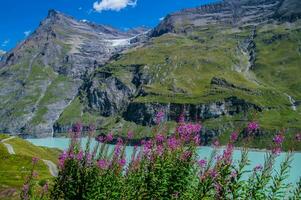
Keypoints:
(255, 157)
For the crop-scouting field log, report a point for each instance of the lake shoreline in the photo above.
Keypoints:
(137, 142)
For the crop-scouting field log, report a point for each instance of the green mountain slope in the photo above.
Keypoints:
(15, 168)
(211, 75)
(224, 64)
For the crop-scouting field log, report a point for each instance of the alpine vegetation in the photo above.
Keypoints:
(164, 167)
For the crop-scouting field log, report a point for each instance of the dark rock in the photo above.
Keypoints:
(109, 96)
(224, 83)
(290, 10)
(144, 113)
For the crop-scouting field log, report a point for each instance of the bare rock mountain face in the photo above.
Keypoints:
(233, 13)
(222, 63)
(42, 75)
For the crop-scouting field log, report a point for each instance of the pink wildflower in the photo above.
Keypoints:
(117, 150)
(213, 173)
(35, 160)
(122, 162)
(233, 174)
(186, 155)
(258, 168)
(160, 138)
(77, 127)
(276, 150)
(62, 158)
(45, 187)
(25, 191)
(218, 187)
(278, 139)
(234, 136)
(202, 163)
(197, 140)
(181, 118)
(227, 154)
(92, 127)
(172, 143)
(130, 135)
(119, 141)
(216, 144)
(160, 150)
(159, 117)
(100, 139)
(80, 155)
(253, 126)
(102, 164)
(147, 148)
(109, 137)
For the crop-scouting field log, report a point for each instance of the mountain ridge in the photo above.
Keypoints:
(62, 51)
(69, 71)
(230, 13)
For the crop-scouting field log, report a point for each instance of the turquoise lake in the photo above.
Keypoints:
(255, 157)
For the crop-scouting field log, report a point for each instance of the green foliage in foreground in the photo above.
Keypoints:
(166, 168)
(14, 168)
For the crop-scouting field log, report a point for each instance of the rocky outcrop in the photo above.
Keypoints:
(289, 10)
(109, 96)
(233, 13)
(221, 82)
(144, 113)
(248, 48)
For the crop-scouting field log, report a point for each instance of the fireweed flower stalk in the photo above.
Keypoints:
(253, 126)
(165, 167)
(263, 175)
(30, 189)
(159, 117)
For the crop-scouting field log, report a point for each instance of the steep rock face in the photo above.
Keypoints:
(289, 10)
(69, 46)
(42, 75)
(144, 113)
(109, 96)
(234, 13)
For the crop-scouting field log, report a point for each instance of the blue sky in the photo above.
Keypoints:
(18, 18)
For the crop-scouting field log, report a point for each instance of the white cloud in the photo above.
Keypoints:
(26, 33)
(5, 43)
(115, 5)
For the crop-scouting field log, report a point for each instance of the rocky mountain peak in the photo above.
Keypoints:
(53, 13)
(53, 62)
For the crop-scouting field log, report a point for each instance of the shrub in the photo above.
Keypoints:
(167, 167)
